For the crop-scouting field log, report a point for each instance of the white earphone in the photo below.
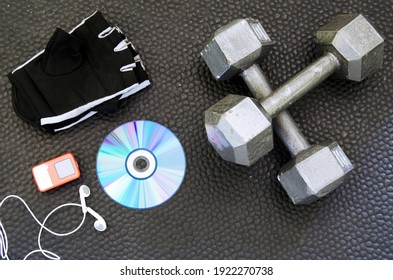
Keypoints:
(100, 223)
(84, 192)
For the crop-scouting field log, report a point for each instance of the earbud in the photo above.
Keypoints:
(100, 223)
(84, 192)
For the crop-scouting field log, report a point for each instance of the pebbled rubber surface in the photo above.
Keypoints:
(222, 211)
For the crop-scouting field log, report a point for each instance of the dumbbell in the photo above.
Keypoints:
(244, 36)
(315, 170)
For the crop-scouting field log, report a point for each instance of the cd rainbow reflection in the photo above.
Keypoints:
(141, 164)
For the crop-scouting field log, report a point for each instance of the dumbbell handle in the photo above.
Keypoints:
(300, 84)
(284, 125)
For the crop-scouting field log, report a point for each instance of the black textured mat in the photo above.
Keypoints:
(222, 211)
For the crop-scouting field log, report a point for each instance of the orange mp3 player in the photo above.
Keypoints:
(56, 172)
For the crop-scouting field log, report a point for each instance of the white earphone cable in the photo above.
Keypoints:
(46, 253)
(56, 257)
(3, 243)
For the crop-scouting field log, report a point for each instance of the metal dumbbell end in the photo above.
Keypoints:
(314, 170)
(240, 128)
(235, 47)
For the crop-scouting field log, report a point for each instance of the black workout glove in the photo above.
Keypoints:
(80, 73)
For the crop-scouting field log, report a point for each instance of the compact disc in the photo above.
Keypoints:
(141, 164)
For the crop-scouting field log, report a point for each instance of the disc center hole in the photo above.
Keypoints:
(141, 164)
